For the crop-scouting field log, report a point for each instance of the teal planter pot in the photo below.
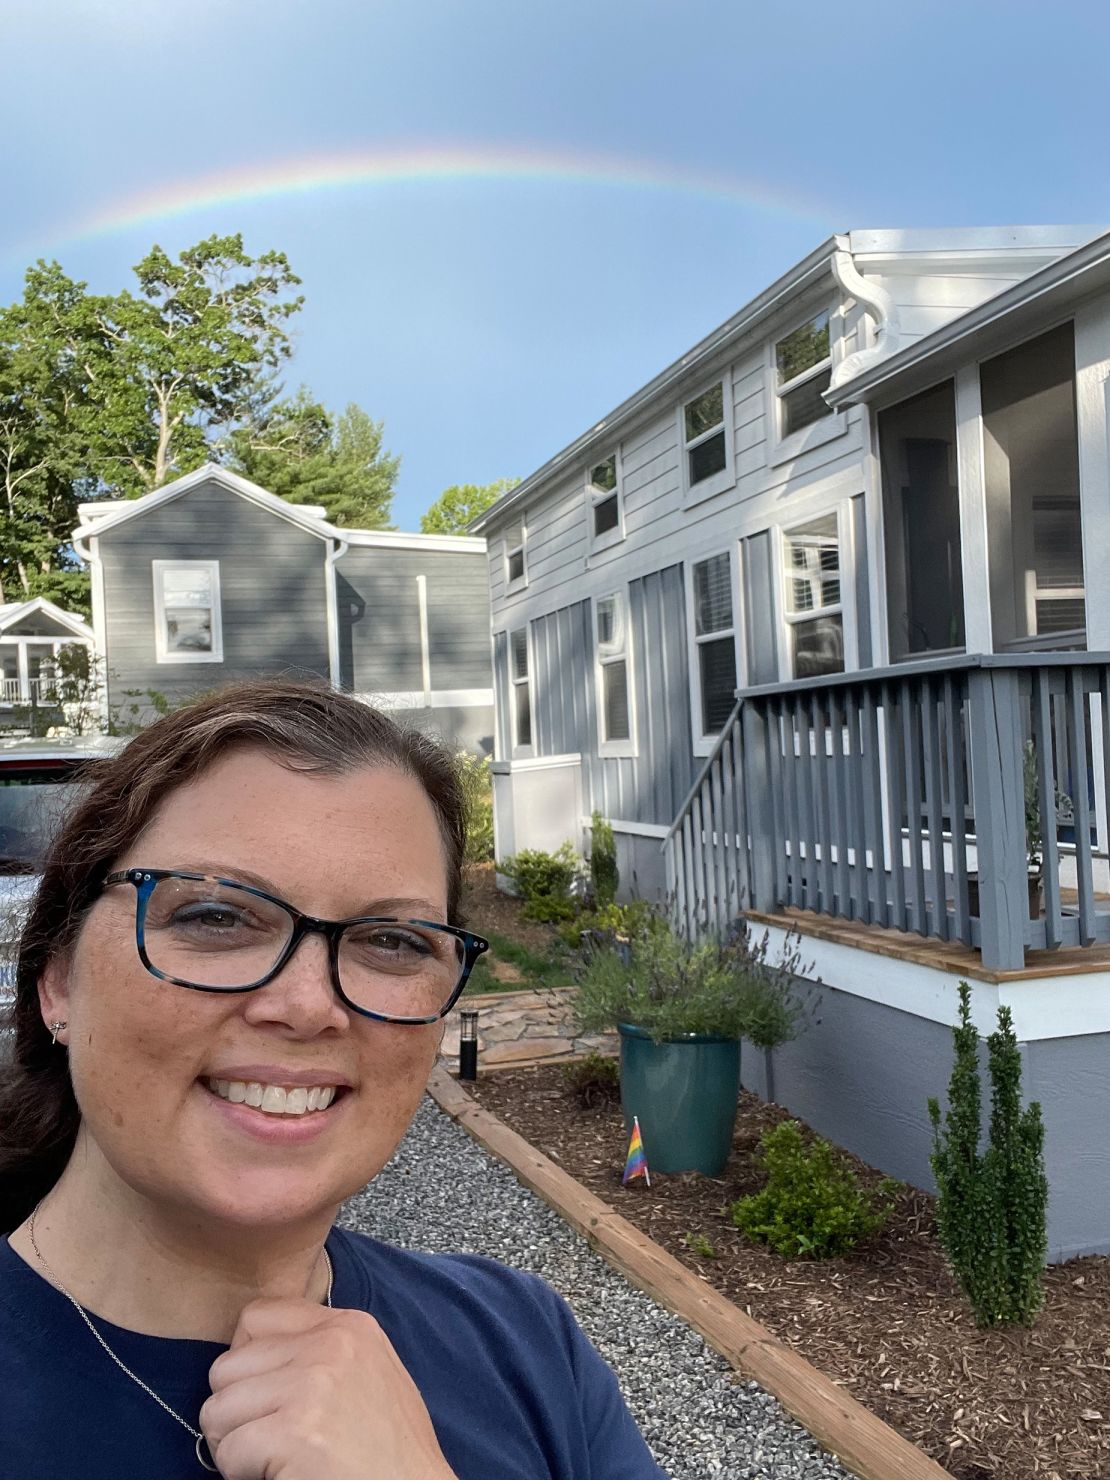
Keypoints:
(684, 1092)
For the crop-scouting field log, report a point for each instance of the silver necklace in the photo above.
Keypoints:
(203, 1452)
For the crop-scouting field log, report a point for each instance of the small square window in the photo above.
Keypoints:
(714, 670)
(803, 373)
(187, 624)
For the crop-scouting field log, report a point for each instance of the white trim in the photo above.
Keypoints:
(617, 650)
(41, 604)
(694, 493)
(162, 652)
(425, 645)
(1043, 1007)
(540, 762)
(396, 539)
(515, 583)
(99, 624)
(785, 446)
(430, 699)
(634, 829)
(786, 619)
(704, 743)
(331, 601)
(515, 748)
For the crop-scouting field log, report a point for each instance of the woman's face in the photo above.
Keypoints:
(144, 1053)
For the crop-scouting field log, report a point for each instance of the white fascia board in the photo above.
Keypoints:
(73, 623)
(310, 517)
(1042, 1007)
(931, 358)
(395, 539)
(690, 367)
(968, 241)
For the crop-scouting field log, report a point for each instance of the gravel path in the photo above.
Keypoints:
(442, 1192)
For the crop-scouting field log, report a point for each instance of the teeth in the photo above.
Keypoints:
(274, 1099)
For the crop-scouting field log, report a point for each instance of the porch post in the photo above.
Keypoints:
(994, 737)
(24, 673)
(974, 553)
(756, 780)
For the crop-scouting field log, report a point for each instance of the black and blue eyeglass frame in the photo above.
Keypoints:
(427, 936)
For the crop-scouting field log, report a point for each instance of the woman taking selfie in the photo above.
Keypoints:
(230, 993)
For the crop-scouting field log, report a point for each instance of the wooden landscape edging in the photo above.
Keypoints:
(862, 1442)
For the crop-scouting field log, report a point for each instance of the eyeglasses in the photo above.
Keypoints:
(214, 935)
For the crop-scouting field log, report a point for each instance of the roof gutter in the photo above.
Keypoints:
(811, 269)
(1057, 280)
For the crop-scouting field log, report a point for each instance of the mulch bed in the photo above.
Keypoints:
(485, 908)
(889, 1323)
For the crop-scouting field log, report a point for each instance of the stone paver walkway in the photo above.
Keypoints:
(520, 1028)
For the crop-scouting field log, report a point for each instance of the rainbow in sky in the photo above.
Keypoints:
(429, 164)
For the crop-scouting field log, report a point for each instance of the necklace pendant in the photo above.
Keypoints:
(204, 1455)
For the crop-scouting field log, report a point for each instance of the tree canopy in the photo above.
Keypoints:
(299, 451)
(458, 505)
(112, 395)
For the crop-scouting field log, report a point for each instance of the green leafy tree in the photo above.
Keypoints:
(458, 505)
(299, 451)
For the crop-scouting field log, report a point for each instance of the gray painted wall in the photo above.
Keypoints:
(379, 623)
(862, 1073)
(272, 593)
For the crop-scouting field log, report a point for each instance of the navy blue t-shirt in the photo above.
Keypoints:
(514, 1389)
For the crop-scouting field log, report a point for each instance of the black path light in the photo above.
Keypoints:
(468, 1043)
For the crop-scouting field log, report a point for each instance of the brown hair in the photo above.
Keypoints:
(306, 726)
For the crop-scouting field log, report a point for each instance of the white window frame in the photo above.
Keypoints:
(704, 743)
(845, 608)
(693, 493)
(516, 748)
(517, 583)
(619, 650)
(786, 445)
(596, 496)
(163, 653)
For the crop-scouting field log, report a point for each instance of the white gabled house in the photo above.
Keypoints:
(818, 620)
(32, 635)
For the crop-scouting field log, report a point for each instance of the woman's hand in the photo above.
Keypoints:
(305, 1392)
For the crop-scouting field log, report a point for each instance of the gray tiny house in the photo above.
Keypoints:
(212, 578)
(817, 619)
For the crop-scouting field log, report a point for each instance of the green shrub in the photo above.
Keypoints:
(812, 1205)
(604, 874)
(477, 788)
(546, 881)
(594, 1081)
(992, 1206)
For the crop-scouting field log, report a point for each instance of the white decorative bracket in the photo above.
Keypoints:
(879, 304)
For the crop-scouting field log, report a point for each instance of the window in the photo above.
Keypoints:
(603, 494)
(187, 626)
(803, 370)
(514, 554)
(813, 610)
(615, 700)
(521, 688)
(714, 642)
(921, 520)
(1031, 470)
(707, 456)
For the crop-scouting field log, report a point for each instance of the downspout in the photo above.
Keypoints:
(875, 301)
(90, 554)
(335, 552)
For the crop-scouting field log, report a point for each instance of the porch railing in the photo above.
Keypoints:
(36, 690)
(964, 799)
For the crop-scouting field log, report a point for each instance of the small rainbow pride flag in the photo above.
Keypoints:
(636, 1165)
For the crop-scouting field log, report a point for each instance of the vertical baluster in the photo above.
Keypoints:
(771, 731)
(911, 740)
(1041, 713)
(701, 883)
(1081, 807)
(761, 808)
(708, 853)
(930, 734)
(857, 759)
(878, 897)
(806, 810)
(793, 830)
(689, 890)
(839, 702)
(822, 831)
(957, 801)
(896, 792)
(718, 843)
(730, 812)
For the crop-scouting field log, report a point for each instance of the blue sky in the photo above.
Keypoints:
(700, 149)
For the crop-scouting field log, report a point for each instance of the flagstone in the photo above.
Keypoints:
(526, 1049)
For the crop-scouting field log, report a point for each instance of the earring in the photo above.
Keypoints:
(55, 1029)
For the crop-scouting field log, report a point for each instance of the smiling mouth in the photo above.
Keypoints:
(274, 1099)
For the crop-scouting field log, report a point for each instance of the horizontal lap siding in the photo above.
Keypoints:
(272, 593)
(380, 618)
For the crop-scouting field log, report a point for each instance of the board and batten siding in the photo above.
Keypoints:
(379, 619)
(273, 606)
